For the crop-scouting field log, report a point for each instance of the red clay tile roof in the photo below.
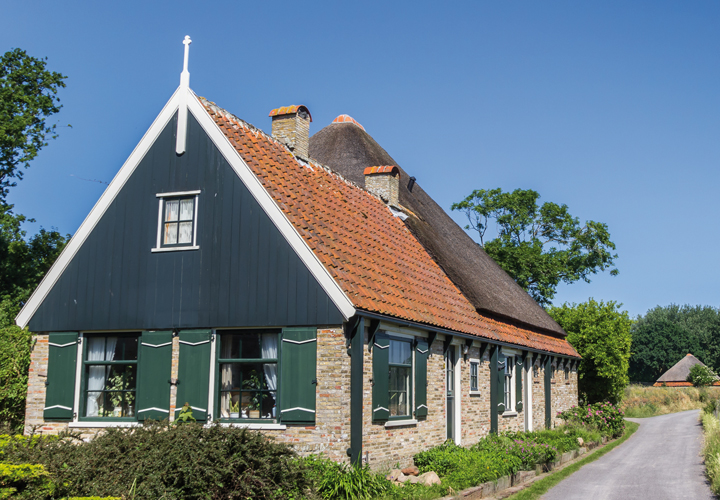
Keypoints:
(388, 169)
(369, 252)
(347, 119)
(287, 110)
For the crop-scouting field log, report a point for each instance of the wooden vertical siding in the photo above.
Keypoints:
(245, 273)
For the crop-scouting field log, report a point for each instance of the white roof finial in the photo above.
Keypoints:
(185, 75)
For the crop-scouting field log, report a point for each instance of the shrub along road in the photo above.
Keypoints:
(660, 461)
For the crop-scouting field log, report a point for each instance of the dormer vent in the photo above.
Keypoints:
(291, 126)
(384, 182)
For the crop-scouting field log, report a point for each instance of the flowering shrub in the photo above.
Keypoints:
(606, 417)
(522, 445)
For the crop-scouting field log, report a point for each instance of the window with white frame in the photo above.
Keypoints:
(509, 386)
(474, 369)
(400, 364)
(177, 221)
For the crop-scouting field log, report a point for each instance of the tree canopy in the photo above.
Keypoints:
(665, 335)
(28, 96)
(539, 246)
(600, 333)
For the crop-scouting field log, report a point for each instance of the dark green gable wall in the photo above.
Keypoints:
(244, 274)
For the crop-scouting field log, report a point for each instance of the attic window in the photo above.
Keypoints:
(177, 221)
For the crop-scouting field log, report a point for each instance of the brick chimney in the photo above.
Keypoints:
(291, 126)
(384, 182)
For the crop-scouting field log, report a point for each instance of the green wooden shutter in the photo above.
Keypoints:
(494, 351)
(194, 372)
(62, 363)
(500, 381)
(421, 355)
(298, 362)
(519, 368)
(381, 379)
(154, 370)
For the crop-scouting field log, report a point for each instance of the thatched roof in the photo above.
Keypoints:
(349, 149)
(680, 371)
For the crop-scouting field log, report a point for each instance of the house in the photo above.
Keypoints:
(306, 288)
(678, 374)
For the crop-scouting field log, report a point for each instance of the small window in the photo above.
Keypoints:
(248, 365)
(536, 371)
(177, 221)
(110, 376)
(509, 386)
(400, 370)
(567, 372)
(474, 366)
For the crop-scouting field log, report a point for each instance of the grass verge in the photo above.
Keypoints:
(543, 485)
(711, 450)
(642, 402)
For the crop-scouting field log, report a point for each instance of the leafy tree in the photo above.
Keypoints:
(600, 333)
(28, 96)
(539, 246)
(665, 335)
(701, 375)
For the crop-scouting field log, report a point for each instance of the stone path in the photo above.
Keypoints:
(660, 461)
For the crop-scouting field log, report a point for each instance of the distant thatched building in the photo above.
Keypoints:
(677, 375)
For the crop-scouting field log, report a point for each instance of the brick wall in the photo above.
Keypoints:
(293, 131)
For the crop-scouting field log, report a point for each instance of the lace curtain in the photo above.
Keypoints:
(99, 349)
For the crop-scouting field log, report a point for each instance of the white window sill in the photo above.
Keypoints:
(255, 427)
(91, 425)
(510, 414)
(173, 249)
(400, 423)
(476, 393)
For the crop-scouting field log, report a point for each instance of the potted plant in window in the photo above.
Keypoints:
(254, 383)
(235, 409)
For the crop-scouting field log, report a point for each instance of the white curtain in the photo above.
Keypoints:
(270, 350)
(96, 375)
(226, 377)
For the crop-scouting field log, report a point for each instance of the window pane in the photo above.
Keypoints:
(171, 210)
(399, 384)
(400, 352)
(110, 390)
(185, 232)
(248, 390)
(473, 376)
(186, 209)
(170, 234)
(257, 344)
(126, 349)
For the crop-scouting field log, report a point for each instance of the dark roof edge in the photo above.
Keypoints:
(445, 331)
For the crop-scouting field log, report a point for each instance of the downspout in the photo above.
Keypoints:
(357, 334)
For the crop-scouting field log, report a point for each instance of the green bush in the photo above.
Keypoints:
(700, 376)
(606, 417)
(24, 481)
(333, 480)
(15, 347)
(164, 461)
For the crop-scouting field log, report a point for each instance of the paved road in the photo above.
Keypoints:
(660, 461)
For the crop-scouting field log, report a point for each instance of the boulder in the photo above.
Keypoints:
(411, 471)
(394, 475)
(414, 479)
(403, 478)
(581, 441)
(429, 478)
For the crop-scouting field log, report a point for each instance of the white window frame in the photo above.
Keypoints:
(161, 199)
(476, 362)
(510, 356)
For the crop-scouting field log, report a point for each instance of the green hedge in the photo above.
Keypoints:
(163, 461)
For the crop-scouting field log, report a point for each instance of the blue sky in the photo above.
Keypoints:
(612, 108)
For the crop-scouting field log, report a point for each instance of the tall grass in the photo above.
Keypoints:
(711, 450)
(640, 401)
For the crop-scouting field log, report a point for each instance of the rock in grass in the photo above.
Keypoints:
(394, 475)
(429, 478)
(411, 471)
(581, 441)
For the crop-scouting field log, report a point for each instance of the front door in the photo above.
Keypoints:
(450, 388)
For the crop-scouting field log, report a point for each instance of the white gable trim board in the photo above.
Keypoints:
(187, 97)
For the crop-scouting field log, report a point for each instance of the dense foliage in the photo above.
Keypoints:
(606, 417)
(165, 461)
(333, 480)
(539, 246)
(664, 335)
(15, 345)
(711, 450)
(600, 332)
(701, 375)
(28, 96)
